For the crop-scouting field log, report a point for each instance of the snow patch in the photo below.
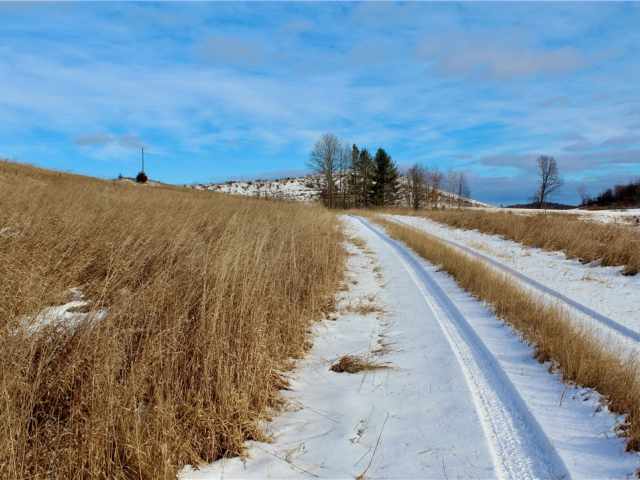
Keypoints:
(68, 316)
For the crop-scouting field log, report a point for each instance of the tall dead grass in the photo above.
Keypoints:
(611, 245)
(578, 356)
(208, 298)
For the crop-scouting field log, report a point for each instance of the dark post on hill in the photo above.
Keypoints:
(142, 177)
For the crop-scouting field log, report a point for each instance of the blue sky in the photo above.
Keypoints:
(227, 90)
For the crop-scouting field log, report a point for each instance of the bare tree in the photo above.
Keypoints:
(434, 180)
(584, 194)
(451, 185)
(456, 184)
(462, 188)
(324, 160)
(344, 167)
(415, 191)
(548, 179)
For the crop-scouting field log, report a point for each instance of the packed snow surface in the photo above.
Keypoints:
(461, 396)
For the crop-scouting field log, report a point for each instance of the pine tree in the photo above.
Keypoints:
(385, 186)
(353, 176)
(364, 169)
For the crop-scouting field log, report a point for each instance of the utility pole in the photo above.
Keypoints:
(141, 177)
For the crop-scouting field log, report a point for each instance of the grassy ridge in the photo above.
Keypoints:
(208, 298)
(612, 245)
(576, 353)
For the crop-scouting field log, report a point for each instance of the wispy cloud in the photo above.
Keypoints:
(235, 89)
(460, 54)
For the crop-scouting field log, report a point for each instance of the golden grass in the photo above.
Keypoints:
(208, 298)
(578, 355)
(355, 364)
(611, 245)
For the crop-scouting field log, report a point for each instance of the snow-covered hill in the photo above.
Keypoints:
(301, 189)
(308, 188)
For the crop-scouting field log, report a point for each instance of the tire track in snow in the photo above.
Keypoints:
(520, 448)
(599, 318)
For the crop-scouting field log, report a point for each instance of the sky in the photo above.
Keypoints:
(216, 91)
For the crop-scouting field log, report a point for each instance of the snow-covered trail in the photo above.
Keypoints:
(583, 289)
(462, 397)
(519, 446)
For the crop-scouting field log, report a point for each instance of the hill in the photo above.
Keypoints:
(308, 188)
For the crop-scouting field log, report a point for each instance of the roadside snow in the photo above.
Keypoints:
(602, 289)
(625, 217)
(415, 419)
(423, 416)
(580, 428)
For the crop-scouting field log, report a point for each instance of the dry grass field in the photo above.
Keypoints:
(208, 298)
(581, 359)
(612, 245)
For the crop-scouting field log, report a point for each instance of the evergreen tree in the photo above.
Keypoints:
(364, 169)
(353, 176)
(355, 154)
(385, 186)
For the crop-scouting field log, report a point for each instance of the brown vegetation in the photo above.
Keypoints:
(611, 245)
(208, 298)
(354, 364)
(579, 357)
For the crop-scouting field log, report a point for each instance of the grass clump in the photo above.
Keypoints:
(355, 364)
(556, 337)
(208, 297)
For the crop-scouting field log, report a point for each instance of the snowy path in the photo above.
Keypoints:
(519, 446)
(584, 289)
(462, 398)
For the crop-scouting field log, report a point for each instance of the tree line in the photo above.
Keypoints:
(620, 196)
(353, 178)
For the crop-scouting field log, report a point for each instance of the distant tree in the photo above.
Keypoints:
(353, 174)
(364, 170)
(622, 196)
(141, 177)
(434, 184)
(584, 194)
(324, 161)
(385, 180)
(460, 187)
(451, 185)
(456, 183)
(548, 179)
(415, 189)
(344, 168)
